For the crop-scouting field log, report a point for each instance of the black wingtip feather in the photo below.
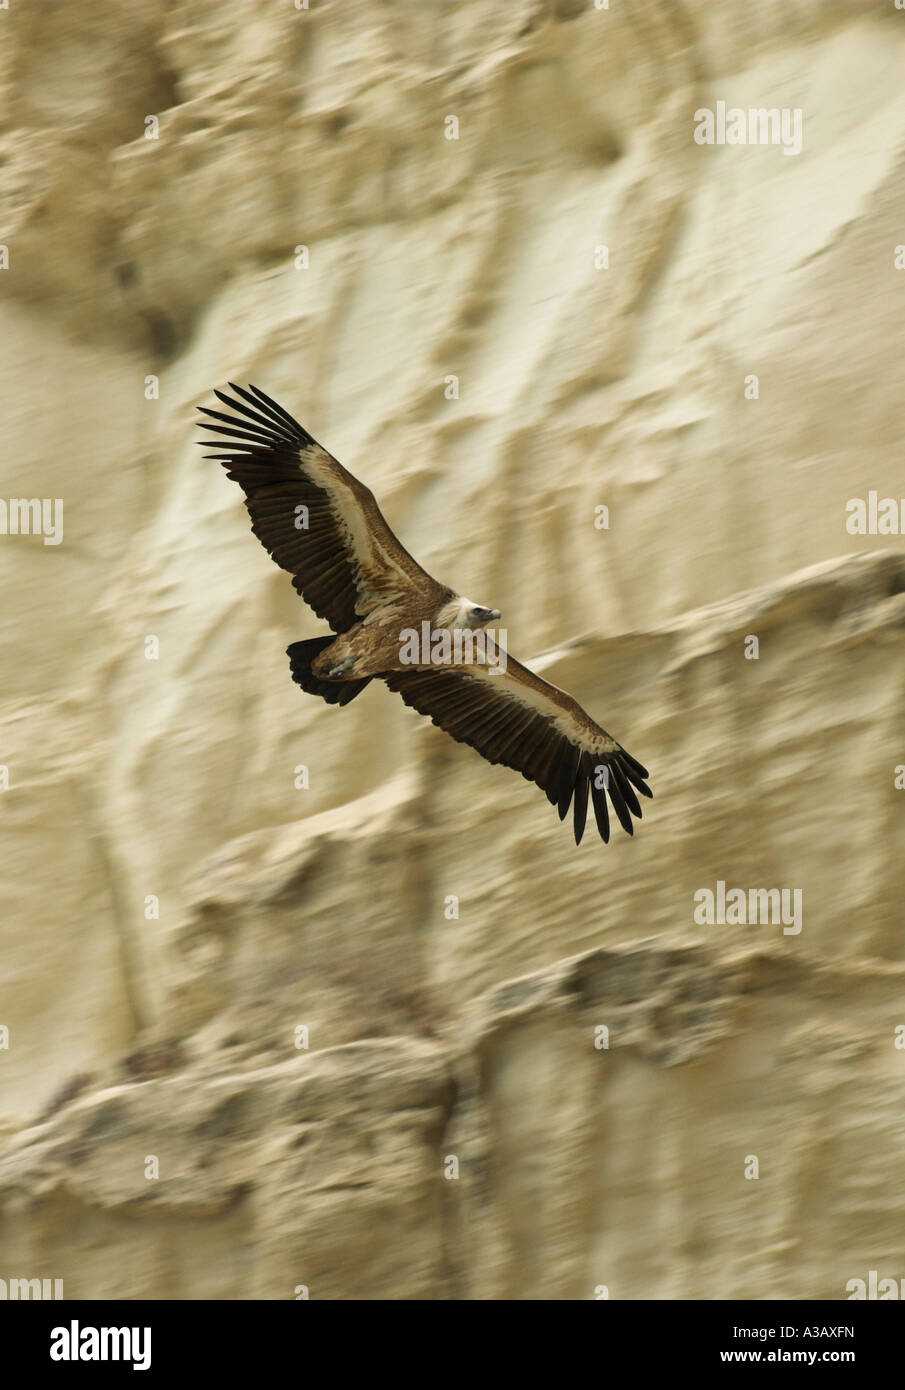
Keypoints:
(571, 759)
(283, 421)
(275, 429)
(626, 788)
(629, 768)
(278, 409)
(619, 805)
(629, 761)
(580, 805)
(263, 406)
(601, 814)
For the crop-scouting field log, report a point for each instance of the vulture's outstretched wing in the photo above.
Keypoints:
(515, 718)
(315, 519)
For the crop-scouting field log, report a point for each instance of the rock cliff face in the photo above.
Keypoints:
(391, 1035)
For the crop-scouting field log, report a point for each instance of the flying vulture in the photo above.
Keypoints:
(325, 528)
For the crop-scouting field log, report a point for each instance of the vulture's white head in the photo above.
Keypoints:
(474, 615)
(463, 613)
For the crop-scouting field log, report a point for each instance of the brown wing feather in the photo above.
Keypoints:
(346, 560)
(522, 721)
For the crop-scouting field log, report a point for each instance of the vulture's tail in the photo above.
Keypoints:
(301, 655)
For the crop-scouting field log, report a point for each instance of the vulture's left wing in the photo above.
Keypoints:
(511, 716)
(317, 520)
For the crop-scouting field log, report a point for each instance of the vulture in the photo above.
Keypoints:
(324, 527)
